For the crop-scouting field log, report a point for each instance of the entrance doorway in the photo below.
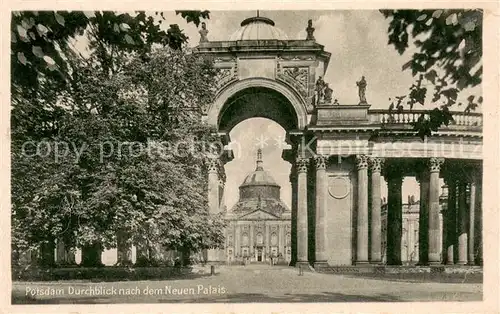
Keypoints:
(259, 255)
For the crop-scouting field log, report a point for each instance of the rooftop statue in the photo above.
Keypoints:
(203, 33)
(361, 90)
(310, 30)
(328, 94)
(320, 91)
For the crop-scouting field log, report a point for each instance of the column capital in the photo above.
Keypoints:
(376, 164)
(302, 164)
(361, 162)
(435, 164)
(320, 162)
(213, 165)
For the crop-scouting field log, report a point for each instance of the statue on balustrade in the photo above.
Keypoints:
(319, 91)
(203, 33)
(310, 30)
(362, 90)
(328, 94)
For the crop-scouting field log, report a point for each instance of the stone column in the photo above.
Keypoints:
(376, 217)
(471, 224)
(213, 199)
(434, 230)
(362, 214)
(123, 249)
(252, 238)
(449, 220)
(462, 223)
(321, 211)
(237, 245)
(294, 227)
(302, 236)
(394, 179)
(423, 218)
(268, 245)
(479, 220)
(280, 240)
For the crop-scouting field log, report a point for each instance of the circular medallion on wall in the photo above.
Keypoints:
(339, 187)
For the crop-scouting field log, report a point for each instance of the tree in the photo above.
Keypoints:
(147, 97)
(448, 57)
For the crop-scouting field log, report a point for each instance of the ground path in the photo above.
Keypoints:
(257, 283)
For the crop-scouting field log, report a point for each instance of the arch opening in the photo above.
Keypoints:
(257, 102)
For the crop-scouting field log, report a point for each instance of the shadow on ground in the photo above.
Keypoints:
(474, 278)
(18, 298)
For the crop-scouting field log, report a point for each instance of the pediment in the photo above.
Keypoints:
(258, 214)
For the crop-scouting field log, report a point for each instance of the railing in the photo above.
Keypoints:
(406, 117)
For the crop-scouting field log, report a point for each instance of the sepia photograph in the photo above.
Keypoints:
(247, 156)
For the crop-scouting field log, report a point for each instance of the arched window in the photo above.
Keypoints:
(274, 239)
(244, 239)
(260, 239)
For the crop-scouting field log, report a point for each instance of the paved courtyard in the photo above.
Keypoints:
(252, 283)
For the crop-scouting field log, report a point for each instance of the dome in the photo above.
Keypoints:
(258, 28)
(259, 176)
(260, 191)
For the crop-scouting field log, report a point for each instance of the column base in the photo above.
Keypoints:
(302, 264)
(321, 265)
(461, 263)
(361, 263)
(376, 263)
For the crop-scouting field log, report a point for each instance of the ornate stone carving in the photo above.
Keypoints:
(224, 76)
(328, 94)
(362, 161)
(339, 187)
(297, 77)
(203, 33)
(376, 164)
(302, 164)
(310, 30)
(213, 165)
(300, 75)
(361, 90)
(320, 162)
(323, 94)
(435, 164)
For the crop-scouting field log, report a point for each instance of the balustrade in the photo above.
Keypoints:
(407, 117)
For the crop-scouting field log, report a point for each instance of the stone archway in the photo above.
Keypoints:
(284, 105)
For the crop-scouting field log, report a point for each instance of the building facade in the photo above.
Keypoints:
(259, 224)
(340, 153)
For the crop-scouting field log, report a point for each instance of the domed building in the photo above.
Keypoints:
(259, 225)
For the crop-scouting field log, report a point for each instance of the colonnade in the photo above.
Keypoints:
(461, 227)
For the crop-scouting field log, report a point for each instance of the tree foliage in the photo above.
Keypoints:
(107, 159)
(448, 58)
